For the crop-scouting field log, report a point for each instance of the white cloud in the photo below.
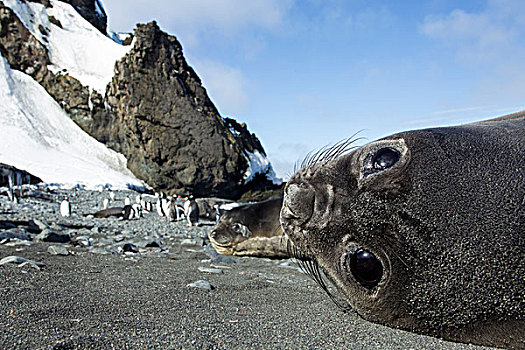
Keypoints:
(225, 16)
(483, 37)
(225, 86)
(488, 43)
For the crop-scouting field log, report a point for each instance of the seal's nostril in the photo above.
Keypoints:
(298, 203)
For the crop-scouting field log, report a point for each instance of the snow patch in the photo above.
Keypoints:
(39, 137)
(78, 48)
(234, 132)
(120, 37)
(259, 164)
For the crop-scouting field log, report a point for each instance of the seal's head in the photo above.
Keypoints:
(251, 230)
(423, 230)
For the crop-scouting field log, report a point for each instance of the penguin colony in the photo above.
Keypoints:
(173, 208)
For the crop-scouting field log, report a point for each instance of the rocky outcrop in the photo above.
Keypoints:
(155, 111)
(168, 128)
(18, 176)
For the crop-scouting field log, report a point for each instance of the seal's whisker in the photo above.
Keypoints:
(327, 152)
(311, 268)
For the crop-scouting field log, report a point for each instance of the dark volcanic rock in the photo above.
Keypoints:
(155, 111)
(23, 175)
(166, 126)
(53, 237)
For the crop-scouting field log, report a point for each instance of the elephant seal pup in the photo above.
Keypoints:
(251, 230)
(127, 212)
(422, 230)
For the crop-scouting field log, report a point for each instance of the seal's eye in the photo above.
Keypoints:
(237, 228)
(365, 268)
(385, 158)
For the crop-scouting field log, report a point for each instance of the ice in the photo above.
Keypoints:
(77, 48)
(36, 135)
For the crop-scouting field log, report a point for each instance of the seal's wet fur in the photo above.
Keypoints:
(251, 230)
(444, 220)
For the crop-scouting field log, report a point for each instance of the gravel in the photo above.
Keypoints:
(138, 284)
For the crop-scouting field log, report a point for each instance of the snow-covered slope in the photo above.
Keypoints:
(77, 48)
(36, 135)
(260, 164)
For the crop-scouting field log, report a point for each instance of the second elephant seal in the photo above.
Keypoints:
(251, 230)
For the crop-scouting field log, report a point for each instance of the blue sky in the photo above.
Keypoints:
(306, 73)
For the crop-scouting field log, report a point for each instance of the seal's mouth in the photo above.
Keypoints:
(220, 240)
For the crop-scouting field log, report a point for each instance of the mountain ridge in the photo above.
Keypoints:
(154, 110)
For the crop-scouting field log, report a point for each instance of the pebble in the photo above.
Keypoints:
(21, 261)
(202, 284)
(15, 233)
(210, 270)
(188, 241)
(150, 235)
(54, 237)
(222, 259)
(37, 225)
(129, 248)
(153, 244)
(6, 225)
(57, 250)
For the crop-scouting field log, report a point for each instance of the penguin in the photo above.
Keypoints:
(175, 211)
(105, 203)
(165, 203)
(137, 209)
(217, 213)
(65, 207)
(127, 200)
(158, 206)
(112, 195)
(191, 211)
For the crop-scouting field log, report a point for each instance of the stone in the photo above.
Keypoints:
(4, 225)
(153, 244)
(201, 284)
(103, 250)
(53, 237)
(57, 250)
(210, 270)
(16, 233)
(129, 248)
(36, 225)
(188, 241)
(19, 260)
(222, 259)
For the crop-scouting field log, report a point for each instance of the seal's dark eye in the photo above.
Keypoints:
(385, 158)
(365, 267)
(236, 228)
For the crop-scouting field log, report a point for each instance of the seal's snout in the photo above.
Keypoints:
(219, 237)
(298, 203)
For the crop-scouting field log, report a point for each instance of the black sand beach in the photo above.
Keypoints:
(141, 300)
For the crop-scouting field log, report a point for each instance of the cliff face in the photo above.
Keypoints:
(166, 124)
(155, 110)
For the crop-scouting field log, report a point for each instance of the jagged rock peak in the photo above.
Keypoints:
(167, 126)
